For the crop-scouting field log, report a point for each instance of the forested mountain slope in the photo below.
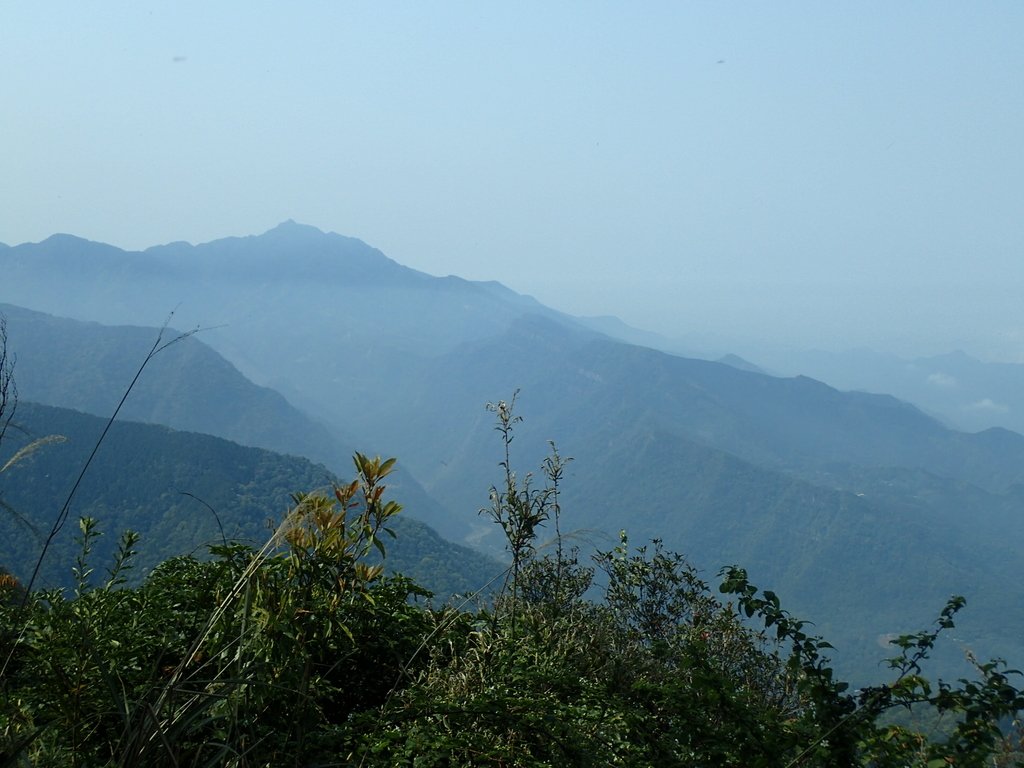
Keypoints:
(181, 491)
(187, 386)
(858, 508)
(87, 366)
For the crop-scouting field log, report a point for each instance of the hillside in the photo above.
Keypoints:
(87, 366)
(187, 386)
(182, 492)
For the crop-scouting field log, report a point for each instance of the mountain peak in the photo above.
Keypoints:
(292, 228)
(63, 240)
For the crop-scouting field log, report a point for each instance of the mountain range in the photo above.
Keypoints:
(862, 511)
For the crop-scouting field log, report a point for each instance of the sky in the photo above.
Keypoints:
(814, 174)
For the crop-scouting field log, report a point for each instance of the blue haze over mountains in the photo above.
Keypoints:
(864, 512)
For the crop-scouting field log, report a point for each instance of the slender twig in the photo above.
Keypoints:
(159, 345)
(216, 517)
(8, 388)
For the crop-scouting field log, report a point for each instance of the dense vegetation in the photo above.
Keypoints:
(305, 652)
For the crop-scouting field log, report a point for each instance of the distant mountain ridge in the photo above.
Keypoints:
(798, 425)
(290, 252)
(269, 301)
(963, 391)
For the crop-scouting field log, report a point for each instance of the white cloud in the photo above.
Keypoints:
(989, 405)
(943, 381)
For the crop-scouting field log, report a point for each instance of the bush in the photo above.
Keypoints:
(304, 653)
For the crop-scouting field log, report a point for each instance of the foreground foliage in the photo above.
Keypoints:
(305, 653)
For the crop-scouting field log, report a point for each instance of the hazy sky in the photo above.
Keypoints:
(818, 173)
